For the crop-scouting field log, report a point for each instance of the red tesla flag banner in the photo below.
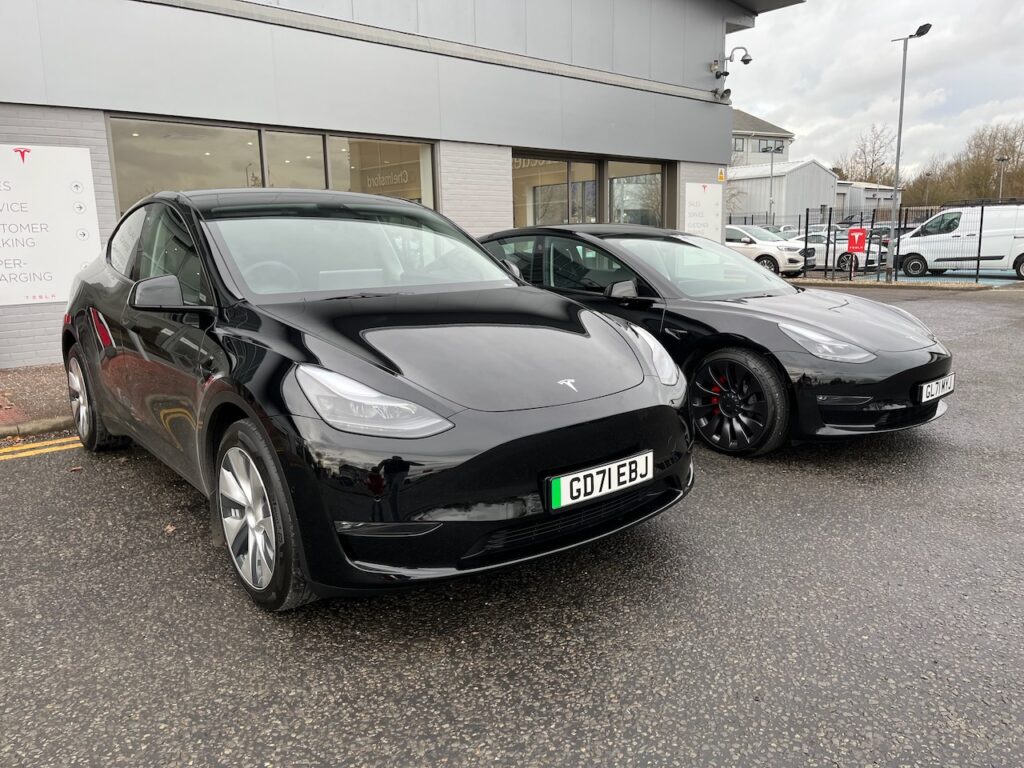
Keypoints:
(856, 239)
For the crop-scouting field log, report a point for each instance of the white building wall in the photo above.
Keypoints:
(30, 334)
(475, 186)
(695, 173)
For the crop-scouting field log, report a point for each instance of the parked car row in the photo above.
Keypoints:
(370, 398)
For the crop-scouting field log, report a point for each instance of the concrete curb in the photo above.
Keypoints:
(882, 284)
(37, 426)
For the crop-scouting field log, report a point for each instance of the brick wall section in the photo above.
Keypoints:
(30, 334)
(475, 183)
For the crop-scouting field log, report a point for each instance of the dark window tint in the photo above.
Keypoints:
(572, 265)
(125, 241)
(167, 249)
(520, 251)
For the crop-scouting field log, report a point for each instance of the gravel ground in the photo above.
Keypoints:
(33, 392)
(847, 604)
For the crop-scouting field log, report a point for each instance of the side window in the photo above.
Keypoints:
(519, 251)
(942, 224)
(166, 248)
(125, 241)
(576, 266)
(733, 235)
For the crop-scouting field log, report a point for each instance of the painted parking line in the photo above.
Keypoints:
(35, 449)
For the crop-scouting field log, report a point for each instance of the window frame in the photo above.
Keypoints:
(135, 251)
(644, 287)
(740, 141)
(204, 273)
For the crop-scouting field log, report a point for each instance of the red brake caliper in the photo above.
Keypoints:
(714, 400)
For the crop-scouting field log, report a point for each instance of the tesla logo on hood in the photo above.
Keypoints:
(570, 383)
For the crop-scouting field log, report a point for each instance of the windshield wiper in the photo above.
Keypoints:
(367, 295)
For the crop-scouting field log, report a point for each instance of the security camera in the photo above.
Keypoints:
(747, 58)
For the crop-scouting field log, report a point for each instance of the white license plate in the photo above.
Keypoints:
(937, 388)
(600, 481)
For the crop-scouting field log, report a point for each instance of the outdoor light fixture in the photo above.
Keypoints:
(722, 93)
(921, 32)
(1002, 160)
(717, 69)
(747, 58)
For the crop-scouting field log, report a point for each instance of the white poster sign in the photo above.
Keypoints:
(703, 214)
(48, 224)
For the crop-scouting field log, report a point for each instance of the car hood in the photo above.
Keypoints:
(869, 324)
(497, 349)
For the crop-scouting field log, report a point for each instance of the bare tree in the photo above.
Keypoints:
(973, 172)
(872, 158)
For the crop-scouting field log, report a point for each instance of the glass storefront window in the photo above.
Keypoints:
(634, 193)
(295, 160)
(539, 191)
(583, 193)
(152, 156)
(394, 168)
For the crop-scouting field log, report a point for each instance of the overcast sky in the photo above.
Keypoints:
(826, 70)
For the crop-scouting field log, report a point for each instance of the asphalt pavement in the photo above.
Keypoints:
(847, 604)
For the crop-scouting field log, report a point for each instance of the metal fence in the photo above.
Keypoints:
(950, 250)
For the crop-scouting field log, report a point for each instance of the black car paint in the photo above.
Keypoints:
(905, 356)
(173, 380)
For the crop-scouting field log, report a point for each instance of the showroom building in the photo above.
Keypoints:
(494, 112)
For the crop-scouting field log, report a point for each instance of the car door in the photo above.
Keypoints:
(164, 347)
(583, 271)
(941, 242)
(735, 237)
(108, 336)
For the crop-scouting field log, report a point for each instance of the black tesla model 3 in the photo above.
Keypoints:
(767, 361)
(365, 395)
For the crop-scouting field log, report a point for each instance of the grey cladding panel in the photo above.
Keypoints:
(592, 34)
(448, 20)
(668, 20)
(549, 29)
(501, 25)
(389, 14)
(632, 31)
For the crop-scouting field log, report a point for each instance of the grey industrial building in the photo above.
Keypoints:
(494, 112)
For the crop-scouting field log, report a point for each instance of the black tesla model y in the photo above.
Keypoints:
(767, 361)
(365, 395)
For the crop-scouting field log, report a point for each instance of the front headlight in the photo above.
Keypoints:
(347, 405)
(790, 248)
(662, 361)
(825, 347)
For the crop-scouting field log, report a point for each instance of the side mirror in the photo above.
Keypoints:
(512, 268)
(622, 290)
(160, 293)
(747, 240)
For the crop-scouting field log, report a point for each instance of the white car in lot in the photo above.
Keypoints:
(771, 251)
(949, 240)
(838, 253)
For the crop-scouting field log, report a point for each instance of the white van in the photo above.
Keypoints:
(949, 240)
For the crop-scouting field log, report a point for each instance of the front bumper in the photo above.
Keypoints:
(844, 399)
(377, 513)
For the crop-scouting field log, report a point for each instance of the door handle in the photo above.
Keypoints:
(972, 234)
(954, 235)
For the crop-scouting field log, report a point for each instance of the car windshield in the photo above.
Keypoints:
(703, 269)
(760, 233)
(315, 251)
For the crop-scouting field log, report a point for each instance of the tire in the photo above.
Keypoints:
(843, 265)
(1018, 267)
(914, 265)
(739, 403)
(937, 271)
(84, 406)
(256, 519)
(768, 263)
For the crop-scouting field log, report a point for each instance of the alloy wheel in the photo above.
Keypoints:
(769, 263)
(247, 519)
(729, 405)
(79, 397)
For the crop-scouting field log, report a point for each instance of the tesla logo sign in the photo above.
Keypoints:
(570, 383)
(21, 152)
(856, 239)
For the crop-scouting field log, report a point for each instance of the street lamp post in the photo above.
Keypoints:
(773, 150)
(921, 32)
(1002, 160)
(927, 182)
